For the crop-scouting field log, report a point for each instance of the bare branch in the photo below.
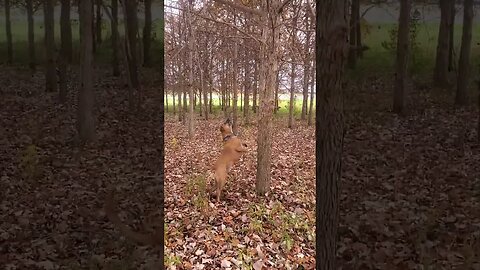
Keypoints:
(240, 7)
(282, 6)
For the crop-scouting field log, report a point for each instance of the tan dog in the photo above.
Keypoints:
(233, 149)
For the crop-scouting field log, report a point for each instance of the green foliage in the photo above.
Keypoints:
(196, 189)
(391, 43)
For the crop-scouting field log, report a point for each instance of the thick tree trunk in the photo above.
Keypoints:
(115, 39)
(354, 20)
(461, 97)
(332, 48)
(85, 120)
(66, 32)
(306, 70)
(440, 76)
(50, 70)
(403, 44)
(269, 51)
(8, 30)
(98, 23)
(147, 33)
(312, 94)
(31, 36)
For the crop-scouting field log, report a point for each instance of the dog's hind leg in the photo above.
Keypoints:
(220, 179)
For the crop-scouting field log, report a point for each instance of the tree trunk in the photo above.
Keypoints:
(66, 31)
(461, 97)
(94, 38)
(31, 36)
(185, 104)
(173, 99)
(440, 76)
(332, 48)
(359, 34)
(210, 103)
(277, 85)
(166, 100)
(236, 70)
(269, 51)
(306, 70)
(451, 44)
(8, 30)
(147, 33)
(131, 28)
(246, 95)
(403, 44)
(354, 20)
(205, 97)
(190, 70)
(180, 107)
(85, 120)
(312, 93)
(98, 23)
(255, 87)
(292, 96)
(50, 73)
(115, 39)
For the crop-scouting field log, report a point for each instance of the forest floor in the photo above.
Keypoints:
(409, 194)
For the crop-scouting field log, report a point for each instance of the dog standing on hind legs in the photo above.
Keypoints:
(233, 149)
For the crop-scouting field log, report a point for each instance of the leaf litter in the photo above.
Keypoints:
(409, 193)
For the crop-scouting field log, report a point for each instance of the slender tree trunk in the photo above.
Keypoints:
(173, 99)
(292, 97)
(277, 85)
(85, 120)
(306, 70)
(461, 97)
(94, 38)
(255, 87)
(359, 33)
(246, 98)
(403, 44)
(50, 73)
(66, 31)
(166, 100)
(451, 44)
(115, 39)
(312, 93)
(180, 107)
(331, 46)
(131, 28)
(31, 36)
(440, 76)
(205, 97)
(185, 106)
(190, 70)
(210, 103)
(236, 70)
(354, 20)
(98, 22)
(8, 30)
(147, 33)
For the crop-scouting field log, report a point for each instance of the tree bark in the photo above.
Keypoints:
(85, 120)
(246, 95)
(8, 30)
(31, 36)
(147, 33)
(66, 31)
(98, 23)
(115, 39)
(180, 107)
(461, 97)
(236, 70)
(50, 70)
(277, 85)
(269, 51)
(440, 76)
(331, 41)
(354, 20)
(306, 70)
(403, 44)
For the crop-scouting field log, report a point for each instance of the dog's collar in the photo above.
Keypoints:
(226, 138)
